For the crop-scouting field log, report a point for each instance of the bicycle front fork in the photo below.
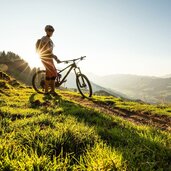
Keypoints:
(77, 71)
(80, 78)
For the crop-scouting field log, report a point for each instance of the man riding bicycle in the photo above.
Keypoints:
(46, 54)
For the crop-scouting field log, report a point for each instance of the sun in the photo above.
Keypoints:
(33, 60)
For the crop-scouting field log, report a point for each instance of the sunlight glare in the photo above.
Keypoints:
(34, 60)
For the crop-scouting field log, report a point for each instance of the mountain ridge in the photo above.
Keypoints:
(147, 88)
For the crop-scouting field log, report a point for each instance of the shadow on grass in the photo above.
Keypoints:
(46, 100)
(141, 149)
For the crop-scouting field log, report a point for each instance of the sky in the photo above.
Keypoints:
(117, 36)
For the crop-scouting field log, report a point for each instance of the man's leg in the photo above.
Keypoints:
(47, 84)
(52, 84)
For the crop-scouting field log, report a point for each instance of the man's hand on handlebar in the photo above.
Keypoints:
(56, 59)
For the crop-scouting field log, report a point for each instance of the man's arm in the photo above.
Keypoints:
(56, 59)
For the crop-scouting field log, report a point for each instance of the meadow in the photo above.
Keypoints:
(67, 132)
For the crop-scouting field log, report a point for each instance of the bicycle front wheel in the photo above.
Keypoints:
(83, 85)
(38, 81)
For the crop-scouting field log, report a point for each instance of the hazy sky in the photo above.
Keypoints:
(117, 36)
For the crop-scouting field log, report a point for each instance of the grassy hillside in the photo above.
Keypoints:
(67, 132)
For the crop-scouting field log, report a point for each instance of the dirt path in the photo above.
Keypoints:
(159, 121)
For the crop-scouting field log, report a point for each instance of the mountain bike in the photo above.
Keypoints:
(82, 82)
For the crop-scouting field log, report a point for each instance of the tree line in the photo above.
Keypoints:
(16, 67)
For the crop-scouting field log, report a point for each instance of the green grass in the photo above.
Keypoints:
(47, 133)
(132, 106)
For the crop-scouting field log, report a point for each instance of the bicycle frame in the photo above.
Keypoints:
(71, 66)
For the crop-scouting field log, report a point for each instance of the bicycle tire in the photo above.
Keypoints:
(83, 85)
(37, 81)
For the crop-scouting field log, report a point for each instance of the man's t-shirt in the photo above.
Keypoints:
(46, 47)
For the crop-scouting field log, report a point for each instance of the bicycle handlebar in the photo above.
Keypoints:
(73, 60)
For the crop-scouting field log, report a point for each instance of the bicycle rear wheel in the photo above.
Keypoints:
(38, 81)
(83, 85)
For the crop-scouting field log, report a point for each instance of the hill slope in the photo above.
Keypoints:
(17, 67)
(67, 132)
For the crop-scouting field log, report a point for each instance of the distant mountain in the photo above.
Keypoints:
(97, 88)
(149, 89)
(166, 76)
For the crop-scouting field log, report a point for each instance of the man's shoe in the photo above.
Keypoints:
(47, 93)
(53, 93)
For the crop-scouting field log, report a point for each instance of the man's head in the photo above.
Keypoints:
(49, 30)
